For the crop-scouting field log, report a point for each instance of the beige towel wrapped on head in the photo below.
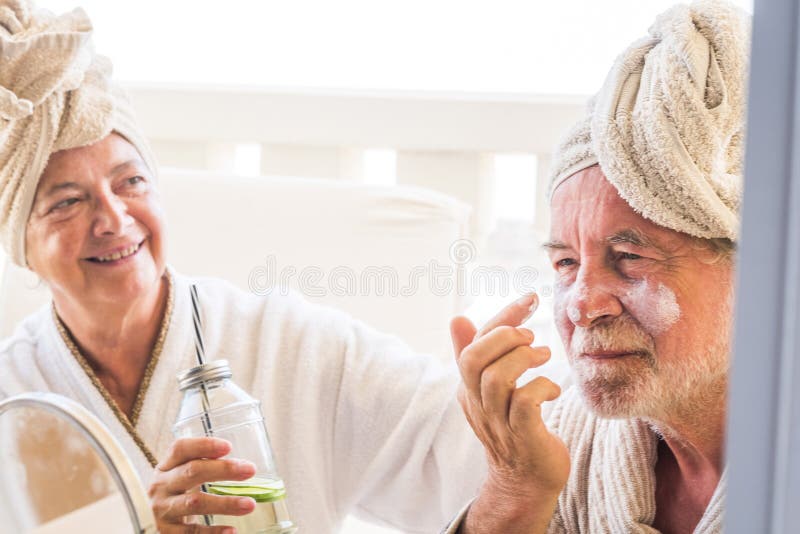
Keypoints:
(667, 126)
(55, 94)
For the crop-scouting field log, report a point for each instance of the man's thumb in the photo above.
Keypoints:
(462, 332)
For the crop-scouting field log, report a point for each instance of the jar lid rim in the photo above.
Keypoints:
(204, 372)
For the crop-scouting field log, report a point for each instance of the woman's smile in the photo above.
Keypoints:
(117, 256)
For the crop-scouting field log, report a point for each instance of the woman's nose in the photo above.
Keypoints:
(592, 299)
(111, 215)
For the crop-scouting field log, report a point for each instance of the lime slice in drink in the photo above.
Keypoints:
(258, 489)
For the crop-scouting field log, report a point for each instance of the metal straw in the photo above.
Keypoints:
(200, 350)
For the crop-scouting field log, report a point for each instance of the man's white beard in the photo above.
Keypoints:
(645, 385)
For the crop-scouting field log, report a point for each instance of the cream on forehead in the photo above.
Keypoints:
(656, 308)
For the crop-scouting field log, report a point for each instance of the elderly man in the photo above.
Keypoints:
(644, 200)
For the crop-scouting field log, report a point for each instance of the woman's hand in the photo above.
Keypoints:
(528, 466)
(174, 494)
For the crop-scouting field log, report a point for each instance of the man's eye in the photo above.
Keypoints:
(566, 262)
(629, 256)
(134, 180)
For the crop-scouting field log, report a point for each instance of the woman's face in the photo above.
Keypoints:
(96, 231)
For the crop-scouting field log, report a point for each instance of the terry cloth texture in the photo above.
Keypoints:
(667, 127)
(55, 94)
(359, 424)
(612, 481)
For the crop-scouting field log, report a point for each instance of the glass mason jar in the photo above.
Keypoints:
(213, 405)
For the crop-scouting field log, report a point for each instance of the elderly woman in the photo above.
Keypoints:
(357, 421)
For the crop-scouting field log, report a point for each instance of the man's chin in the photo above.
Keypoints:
(616, 399)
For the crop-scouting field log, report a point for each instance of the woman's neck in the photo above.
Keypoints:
(117, 342)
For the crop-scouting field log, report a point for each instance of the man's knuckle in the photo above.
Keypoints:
(495, 380)
(468, 353)
(506, 331)
(489, 379)
(470, 366)
(524, 397)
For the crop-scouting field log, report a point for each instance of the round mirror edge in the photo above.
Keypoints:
(105, 444)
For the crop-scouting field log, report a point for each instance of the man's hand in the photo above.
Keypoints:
(528, 466)
(190, 463)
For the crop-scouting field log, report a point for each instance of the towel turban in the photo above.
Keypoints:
(55, 94)
(667, 127)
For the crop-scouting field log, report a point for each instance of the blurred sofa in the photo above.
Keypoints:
(368, 250)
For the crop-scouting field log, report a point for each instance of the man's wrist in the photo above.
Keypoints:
(499, 508)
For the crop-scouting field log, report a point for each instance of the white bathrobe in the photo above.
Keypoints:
(359, 424)
(611, 486)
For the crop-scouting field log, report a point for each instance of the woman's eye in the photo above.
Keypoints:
(134, 185)
(67, 202)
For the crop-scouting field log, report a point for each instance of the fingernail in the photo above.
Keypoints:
(525, 300)
(245, 503)
(221, 446)
(534, 304)
(243, 466)
(530, 300)
(229, 530)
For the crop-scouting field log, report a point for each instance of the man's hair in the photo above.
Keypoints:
(722, 249)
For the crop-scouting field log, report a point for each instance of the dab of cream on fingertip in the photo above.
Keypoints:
(534, 303)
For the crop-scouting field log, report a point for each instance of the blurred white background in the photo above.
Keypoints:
(532, 46)
(493, 54)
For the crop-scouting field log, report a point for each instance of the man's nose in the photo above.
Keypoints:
(111, 215)
(593, 299)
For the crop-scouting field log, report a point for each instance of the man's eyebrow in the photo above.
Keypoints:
(554, 245)
(633, 237)
(629, 236)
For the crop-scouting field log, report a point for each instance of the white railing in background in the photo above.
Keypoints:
(458, 144)
(441, 141)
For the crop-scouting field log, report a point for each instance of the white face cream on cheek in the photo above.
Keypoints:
(654, 306)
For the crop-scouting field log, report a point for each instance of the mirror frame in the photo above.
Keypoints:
(104, 444)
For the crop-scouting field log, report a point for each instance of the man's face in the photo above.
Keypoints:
(95, 233)
(644, 312)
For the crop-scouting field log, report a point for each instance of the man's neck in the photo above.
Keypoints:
(695, 432)
(689, 466)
